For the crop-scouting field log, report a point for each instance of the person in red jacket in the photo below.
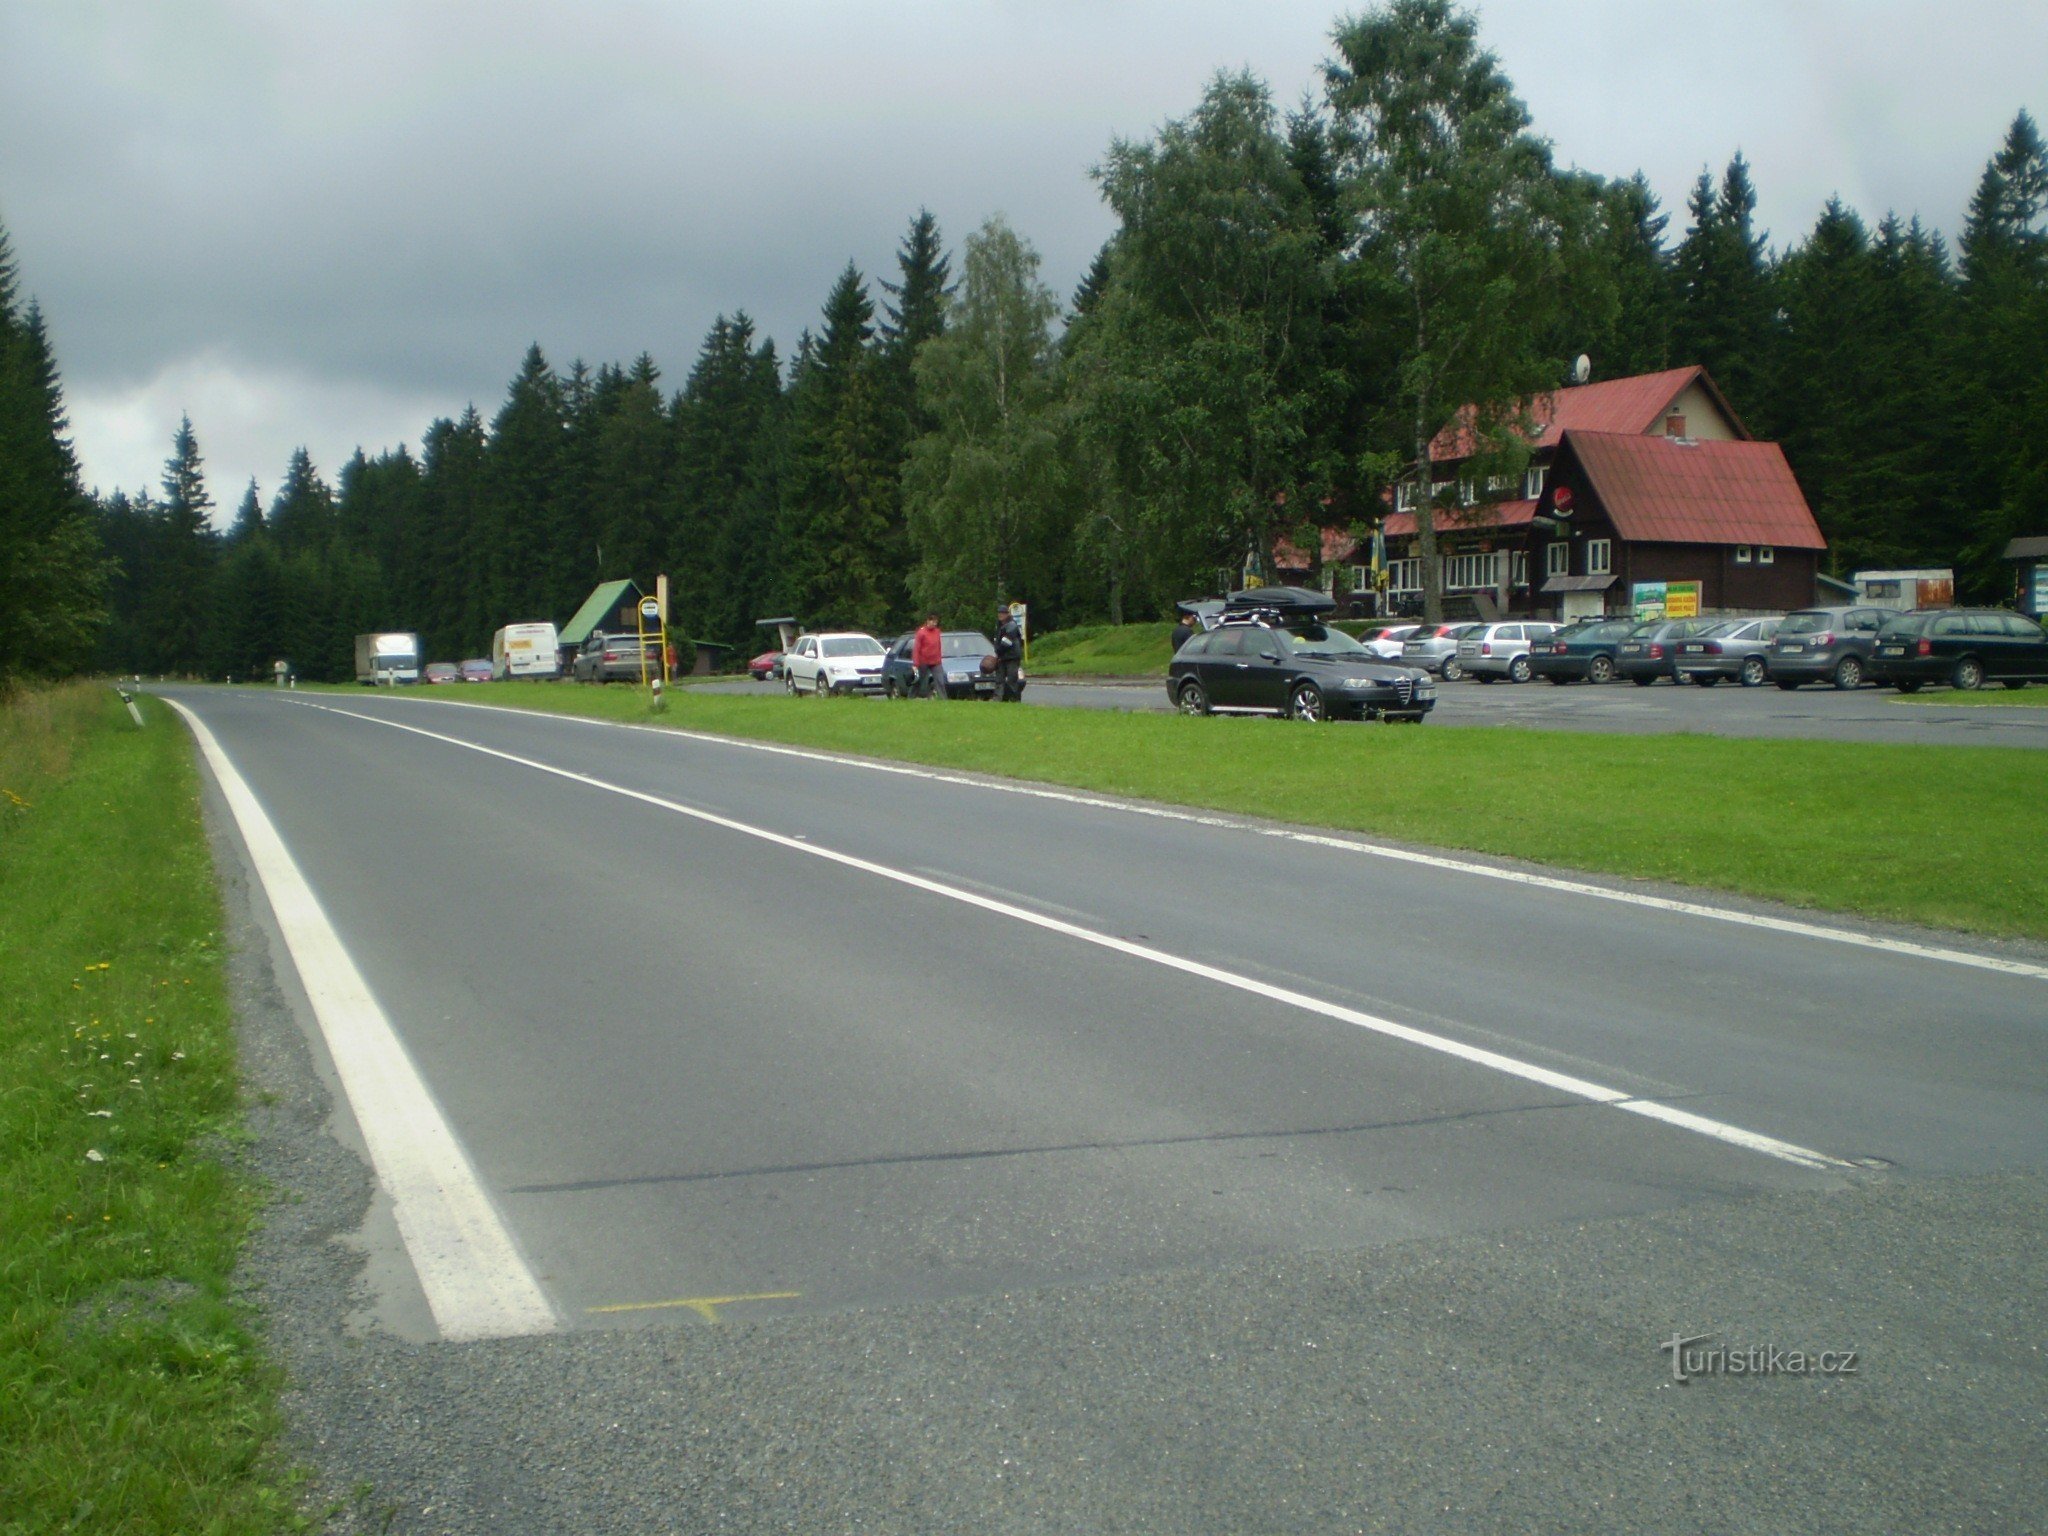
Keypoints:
(926, 647)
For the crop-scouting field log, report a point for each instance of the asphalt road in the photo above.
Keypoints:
(1055, 1230)
(1812, 713)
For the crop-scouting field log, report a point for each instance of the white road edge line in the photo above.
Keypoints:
(1787, 925)
(1576, 1087)
(475, 1282)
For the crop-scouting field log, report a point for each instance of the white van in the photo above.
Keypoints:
(525, 650)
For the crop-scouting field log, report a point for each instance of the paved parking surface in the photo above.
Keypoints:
(1821, 714)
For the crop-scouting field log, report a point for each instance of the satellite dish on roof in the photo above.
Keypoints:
(1582, 370)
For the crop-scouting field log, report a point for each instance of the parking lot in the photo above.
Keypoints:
(1819, 713)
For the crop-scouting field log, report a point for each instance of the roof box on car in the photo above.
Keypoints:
(1294, 602)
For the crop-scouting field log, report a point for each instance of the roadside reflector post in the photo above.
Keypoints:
(660, 700)
(129, 699)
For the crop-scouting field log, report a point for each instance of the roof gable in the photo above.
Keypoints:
(1667, 490)
(1633, 405)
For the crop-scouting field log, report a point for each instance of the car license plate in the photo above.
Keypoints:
(1692, 650)
(1791, 645)
(1895, 650)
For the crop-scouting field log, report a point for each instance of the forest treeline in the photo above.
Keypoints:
(1292, 302)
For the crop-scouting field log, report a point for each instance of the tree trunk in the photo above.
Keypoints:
(1425, 523)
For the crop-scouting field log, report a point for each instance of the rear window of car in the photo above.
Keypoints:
(853, 645)
(2020, 627)
(1905, 624)
(1806, 623)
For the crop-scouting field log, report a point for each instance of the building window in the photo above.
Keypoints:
(1743, 554)
(1674, 426)
(1467, 494)
(1497, 485)
(1599, 557)
(1404, 496)
(1766, 554)
(1404, 575)
(1557, 559)
(1361, 578)
(1520, 569)
(1532, 481)
(1474, 572)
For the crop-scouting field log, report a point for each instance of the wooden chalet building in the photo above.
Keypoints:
(1662, 483)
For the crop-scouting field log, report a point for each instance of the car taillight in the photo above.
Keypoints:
(1712, 647)
(1656, 651)
(1486, 647)
(1825, 637)
(1924, 648)
(611, 655)
(1557, 649)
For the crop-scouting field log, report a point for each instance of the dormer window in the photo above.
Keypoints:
(1404, 496)
(1674, 425)
(1532, 481)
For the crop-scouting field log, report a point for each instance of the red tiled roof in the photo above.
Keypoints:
(1499, 514)
(1614, 405)
(1674, 491)
(1338, 546)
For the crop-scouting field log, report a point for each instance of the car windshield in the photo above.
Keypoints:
(1806, 624)
(852, 645)
(1321, 640)
(968, 645)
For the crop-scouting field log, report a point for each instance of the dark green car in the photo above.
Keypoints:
(1963, 647)
(1589, 651)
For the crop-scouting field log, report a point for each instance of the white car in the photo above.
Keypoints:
(1386, 643)
(845, 662)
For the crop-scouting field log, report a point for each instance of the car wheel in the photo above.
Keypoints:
(1194, 698)
(1519, 670)
(1968, 675)
(822, 687)
(890, 690)
(789, 684)
(1452, 670)
(1753, 671)
(1307, 704)
(1600, 670)
(1912, 685)
(1849, 674)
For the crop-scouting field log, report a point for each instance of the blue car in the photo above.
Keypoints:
(959, 664)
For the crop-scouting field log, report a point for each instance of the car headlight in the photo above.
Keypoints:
(1361, 682)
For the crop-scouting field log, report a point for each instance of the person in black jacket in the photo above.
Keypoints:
(1183, 630)
(1009, 641)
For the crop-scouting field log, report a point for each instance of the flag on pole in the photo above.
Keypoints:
(1379, 559)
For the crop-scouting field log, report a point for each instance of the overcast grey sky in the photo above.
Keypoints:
(328, 223)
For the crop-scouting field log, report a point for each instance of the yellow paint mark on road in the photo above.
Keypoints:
(705, 1307)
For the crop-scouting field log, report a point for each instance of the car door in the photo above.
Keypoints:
(2030, 647)
(801, 665)
(1222, 666)
(1267, 675)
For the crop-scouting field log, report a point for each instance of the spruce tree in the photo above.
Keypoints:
(526, 577)
(178, 593)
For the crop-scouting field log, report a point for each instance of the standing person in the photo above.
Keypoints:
(1184, 630)
(926, 648)
(1009, 656)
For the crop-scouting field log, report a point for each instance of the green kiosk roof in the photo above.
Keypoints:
(604, 600)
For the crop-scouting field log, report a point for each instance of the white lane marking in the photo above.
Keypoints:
(1576, 1087)
(1788, 925)
(475, 1281)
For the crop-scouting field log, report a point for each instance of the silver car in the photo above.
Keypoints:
(1434, 648)
(1488, 651)
(1737, 648)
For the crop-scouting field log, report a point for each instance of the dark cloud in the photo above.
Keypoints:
(357, 216)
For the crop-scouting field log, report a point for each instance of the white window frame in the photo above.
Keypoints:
(1518, 569)
(1599, 557)
(1766, 554)
(1467, 491)
(1557, 559)
(1361, 578)
(1404, 496)
(1533, 480)
(1404, 575)
(1744, 554)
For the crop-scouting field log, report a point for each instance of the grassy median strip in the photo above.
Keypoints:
(2000, 698)
(134, 1396)
(1923, 834)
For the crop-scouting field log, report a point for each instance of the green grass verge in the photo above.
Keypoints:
(134, 1396)
(2035, 697)
(1103, 650)
(1922, 834)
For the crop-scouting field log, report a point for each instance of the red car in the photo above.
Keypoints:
(766, 667)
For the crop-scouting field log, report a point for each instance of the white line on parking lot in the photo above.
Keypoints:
(1788, 925)
(1576, 1087)
(475, 1281)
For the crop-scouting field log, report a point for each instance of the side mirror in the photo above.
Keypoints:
(1269, 655)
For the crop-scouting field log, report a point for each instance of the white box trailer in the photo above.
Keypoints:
(525, 650)
(387, 658)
